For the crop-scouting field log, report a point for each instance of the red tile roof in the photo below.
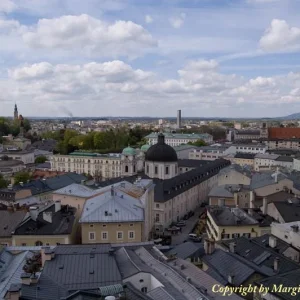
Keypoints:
(284, 133)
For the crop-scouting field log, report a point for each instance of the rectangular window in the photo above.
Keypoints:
(131, 235)
(23, 244)
(120, 235)
(167, 170)
(91, 236)
(155, 170)
(147, 168)
(91, 225)
(157, 218)
(157, 205)
(131, 225)
(104, 235)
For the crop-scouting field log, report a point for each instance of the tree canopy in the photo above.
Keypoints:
(40, 159)
(22, 176)
(198, 143)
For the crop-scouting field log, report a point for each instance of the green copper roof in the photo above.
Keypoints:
(129, 151)
(145, 147)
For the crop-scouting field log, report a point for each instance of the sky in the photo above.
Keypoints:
(209, 58)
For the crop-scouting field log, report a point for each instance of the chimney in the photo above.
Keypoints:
(47, 254)
(57, 206)
(276, 175)
(265, 206)
(232, 247)
(34, 279)
(33, 211)
(47, 216)
(25, 278)
(221, 202)
(276, 264)
(231, 279)
(252, 197)
(209, 246)
(295, 228)
(272, 241)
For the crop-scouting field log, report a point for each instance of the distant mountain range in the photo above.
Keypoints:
(291, 117)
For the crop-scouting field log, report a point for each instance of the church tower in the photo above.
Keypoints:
(16, 115)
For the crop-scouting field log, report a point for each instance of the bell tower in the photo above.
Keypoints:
(16, 115)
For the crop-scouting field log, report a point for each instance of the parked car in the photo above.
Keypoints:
(194, 238)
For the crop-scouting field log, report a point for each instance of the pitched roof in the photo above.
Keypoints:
(113, 206)
(225, 264)
(240, 169)
(165, 190)
(11, 266)
(187, 250)
(192, 163)
(260, 180)
(230, 216)
(9, 220)
(201, 279)
(289, 212)
(62, 222)
(220, 191)
(259, 257)
(71, 271)
(77, 190)
(283, 133)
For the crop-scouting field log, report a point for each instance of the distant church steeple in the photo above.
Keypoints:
(16, 115)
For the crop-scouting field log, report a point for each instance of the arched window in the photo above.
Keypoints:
(126, 169)
(38, 243)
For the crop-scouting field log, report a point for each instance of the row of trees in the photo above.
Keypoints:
(9, 126)
(217, 132)
(112, 140)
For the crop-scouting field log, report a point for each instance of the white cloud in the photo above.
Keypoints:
(280, 36)
(84, 34)
(177, 22)
(90, 34)
(7, 6)
(116, 85)
(148, 19)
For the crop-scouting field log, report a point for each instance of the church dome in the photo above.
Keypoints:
(161, 151)
(128, 151)
(144, 148)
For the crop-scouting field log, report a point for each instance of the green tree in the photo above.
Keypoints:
(198, 143)
(3, 182)
(40, 159)
(22, 176)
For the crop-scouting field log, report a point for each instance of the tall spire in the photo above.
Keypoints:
(16, 115)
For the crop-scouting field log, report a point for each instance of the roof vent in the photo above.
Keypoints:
(61, 267)
(91, 271)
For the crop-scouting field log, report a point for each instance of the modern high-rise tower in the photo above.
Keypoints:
(179, 118)
(16, 115)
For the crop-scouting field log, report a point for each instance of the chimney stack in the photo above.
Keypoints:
(232, 247)
(272, 241)
(231, 279)
(57, 206)
(295, 228)
(251, 204)
(209, 246)
(265, 206)
(33, 211)
(276, 264)
(46, 254)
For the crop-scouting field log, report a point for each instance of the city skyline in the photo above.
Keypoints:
(208, 58)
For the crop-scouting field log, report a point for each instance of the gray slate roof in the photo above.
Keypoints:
(264, 179)
(225, 264)
(290, 212)
(77, 190)
(9, 221)
(11, 268)
(187, 250)
(106, 207)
